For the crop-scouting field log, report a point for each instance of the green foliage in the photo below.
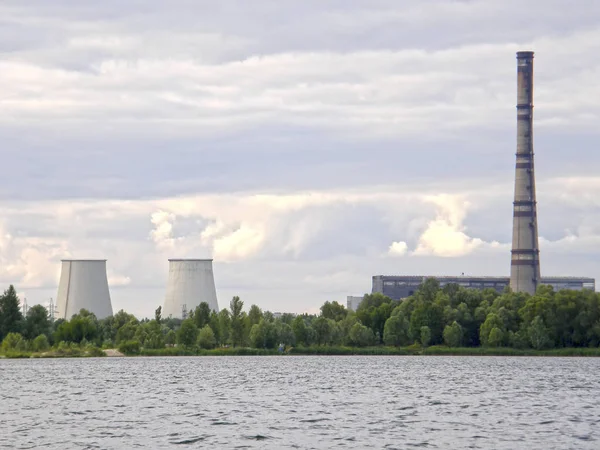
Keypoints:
(237, 322)
(495, 338)
(361, 336)
(40, 343)
(334, 311)
(206, 338)
(127, 331)
(255, 315)
(12, 341)
(396, 331)
(538, 334)
(492, 322)
(485, 321)
(154, 336)
(202, 315)
(286, 334)
(11, 319)
(300, 331)
(170, 338)
(187, 335)
(453, 335)
(130, 347)
(425, 336)
(264, 335)
(322, 327)
(37, 322)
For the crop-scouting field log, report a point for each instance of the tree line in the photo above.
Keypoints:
(452, 316)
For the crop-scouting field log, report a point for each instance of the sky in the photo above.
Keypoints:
(305, 146)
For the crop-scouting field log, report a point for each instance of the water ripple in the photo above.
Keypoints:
(301, 402)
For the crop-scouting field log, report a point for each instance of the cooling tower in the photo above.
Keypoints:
(191, 282)
(83, 285)
(525, 258)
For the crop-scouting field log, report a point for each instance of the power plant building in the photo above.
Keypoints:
(525, 255)
(83, 285)
(399, 287)
(190, 282)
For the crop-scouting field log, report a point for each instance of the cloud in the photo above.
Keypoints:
(303, 162)
(162, 234)
(445, 235)
(398, 248)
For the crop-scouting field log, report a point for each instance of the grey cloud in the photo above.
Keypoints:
(148, 102)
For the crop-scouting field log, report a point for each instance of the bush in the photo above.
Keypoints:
(12, 341)
(130, 347)
(92, 350)
(206, 338)
(40, 343)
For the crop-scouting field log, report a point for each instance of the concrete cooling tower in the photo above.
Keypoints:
(83, 285)
(190, 282)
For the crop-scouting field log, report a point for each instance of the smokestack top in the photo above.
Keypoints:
(525, 54)
(189, 259)
(82, 260)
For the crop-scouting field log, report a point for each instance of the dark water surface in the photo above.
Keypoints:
(314, 402)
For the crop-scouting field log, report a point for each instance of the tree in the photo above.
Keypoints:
(224, 326)
(158, 314)
(360, 336)
(254, 315)
(495, 338)
(453, 335)
(37, 322)
(154, 337)
(11, 318)
(40, 343)
(127, 331)
(206, 338)
(395, 331)
(187, 335)
(377, 299)
(263, 335)
(12, 341)
(237, 323)
(333, 311)
(286, 335)
(322, 327)
(171, 338)
(430, 315)
(202, 315)
(492, 321)
(299, 328)
(425, 336)
(538, 333)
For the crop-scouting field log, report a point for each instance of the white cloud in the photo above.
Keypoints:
(445, 235)
(399, 248)
(162, 234)
(279, 152)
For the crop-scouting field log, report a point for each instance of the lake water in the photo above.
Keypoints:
(313, 402)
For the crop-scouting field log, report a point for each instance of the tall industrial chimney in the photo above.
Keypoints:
(525, 255)
(190, 282)
(83, 285)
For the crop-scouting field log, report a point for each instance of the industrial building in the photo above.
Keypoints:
(399, 287)
(83, 285)
(525, 255)
(190, 282)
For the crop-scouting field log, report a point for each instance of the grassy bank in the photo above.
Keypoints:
(317, 350)
(182, 351)
(55, 353)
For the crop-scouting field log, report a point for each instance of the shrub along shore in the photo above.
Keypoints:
(436, 350)
(434, 321)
